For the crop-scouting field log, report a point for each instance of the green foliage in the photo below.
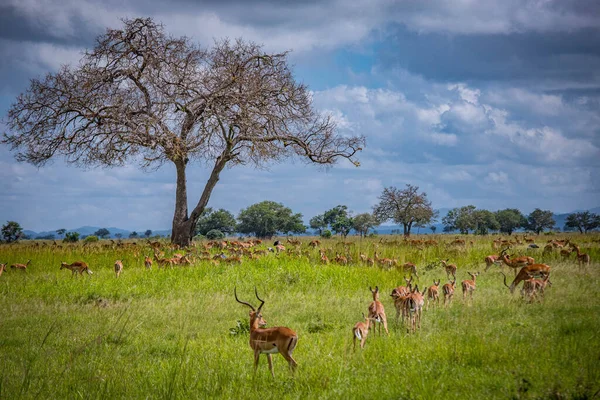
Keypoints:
(485, 221)
(461, 219)
(363, 222)
(241, 328)
(102, 233)
(267, 218)
(326, 234)
(510, 219)
(148, 233)
(582, 221)
(90, 239)
(339, 220)
(407, 207)
(61, 231)
(540, 220)
(215, 234)
(133, 235)
(221, 220)
(71, 237)
(11, 231)
(318, 223)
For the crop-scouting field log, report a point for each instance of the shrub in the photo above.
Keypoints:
(91, 239)
(214, 234)
(71, 237)
(326, 234)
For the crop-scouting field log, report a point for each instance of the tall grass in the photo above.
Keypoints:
(170, 334)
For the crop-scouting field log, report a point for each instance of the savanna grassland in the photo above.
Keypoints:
(178, 333)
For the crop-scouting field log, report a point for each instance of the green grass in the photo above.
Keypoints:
(165, 334)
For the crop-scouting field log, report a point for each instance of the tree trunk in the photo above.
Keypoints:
(183, 226)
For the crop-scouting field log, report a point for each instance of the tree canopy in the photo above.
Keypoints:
(221, 220)
(141, 95)
(583, 221)
(510, 219)
(539, 220)
(102, 233)
(363, 222)
(11, 231)
(267, 218)
(407, 207)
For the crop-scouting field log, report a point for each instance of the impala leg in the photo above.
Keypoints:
(270, 360)
(256, 356)
(384, 320)
(290, 360)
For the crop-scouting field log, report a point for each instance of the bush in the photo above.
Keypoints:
(91, 239)
(71, 237)
(326, 234)
(214, 234)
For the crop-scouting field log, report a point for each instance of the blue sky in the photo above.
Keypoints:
(490, 103)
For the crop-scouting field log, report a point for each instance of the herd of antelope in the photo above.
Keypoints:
(408, 299)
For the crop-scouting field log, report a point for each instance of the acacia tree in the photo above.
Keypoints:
(363, 222)
(221, 220)
(266, 218)
(407, 207)
(539, 220)
(583, 221)
(510, 219)
(143, 96)
(12, 231)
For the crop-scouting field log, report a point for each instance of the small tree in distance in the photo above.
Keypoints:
(267, 218)
(363, 222)
(11, 231)
(582, 221)
(540, 220)
(102, 233)
(148, 233)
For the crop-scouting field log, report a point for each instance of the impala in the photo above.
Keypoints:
(533, 286)
(468, 285)
(377, 312)
(361, 331)
(147, 262)
(491, 260)
(411, 267)
(21, 266)
(450, 269)
(77, 267)
(324, 258)
(448, 290)
(279, 339)
(516, 263)
(383, 261)
(433, 293)
(2, 268)
(414, 308)
(527, 272)
(582, 258)
(118, 267)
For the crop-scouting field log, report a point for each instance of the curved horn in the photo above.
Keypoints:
(504, 279)
(241, 302)
(262, 302)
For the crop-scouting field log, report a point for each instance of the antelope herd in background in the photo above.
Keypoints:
(408, 300)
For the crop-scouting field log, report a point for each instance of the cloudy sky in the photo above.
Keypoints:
(490, 103)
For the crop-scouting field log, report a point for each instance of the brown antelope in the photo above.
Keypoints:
(2, 268)
(527, 272)
(517, 262)
(269, 341)
(582, 258)
(279, 248)
(448, 290)
(533, 286)
(361, 331)
(163, 262)
(433, 293)
(414, 308)
(324, 258)
(77, 267)
(491, 260)
(565, 254)
(399, 295)
(377, 311)
(341, 259)
(147, 262)
(384, 262)
(450, 269)
(468, 285)
(118, 267)
(21, 266)
(410, 267)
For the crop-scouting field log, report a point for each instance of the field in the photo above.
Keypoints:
(178, 333)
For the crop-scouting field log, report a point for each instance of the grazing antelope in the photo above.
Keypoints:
(516, 263)
(279, 339)
(448, 290)
(468, 285)
(2, 268)
(433, 293)
(77, 267)
(582, 258)
(565, 254)
(341, 259)
(361, 331)
(491, 260)
(21, 266)
(147, 262)
(118, 267)
(411, 267)
(324, 258)
(377, 311)
(383, 261)
(527, 272)
(450, 269)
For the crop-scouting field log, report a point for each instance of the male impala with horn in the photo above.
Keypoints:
(279, 339)
(517, 262)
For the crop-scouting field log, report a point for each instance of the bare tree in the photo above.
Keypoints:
(406, 207)
(141, 95)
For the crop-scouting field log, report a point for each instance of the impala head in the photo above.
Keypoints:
(474, 275)
(436, 283)
(63, 265)
(256, 317)
(375, 293)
